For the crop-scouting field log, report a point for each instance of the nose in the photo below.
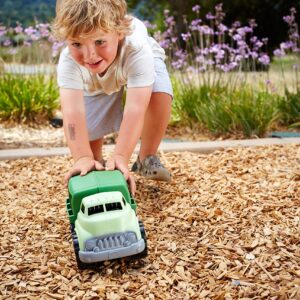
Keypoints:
(90, 53)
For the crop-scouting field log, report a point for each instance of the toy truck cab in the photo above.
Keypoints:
(103, 218)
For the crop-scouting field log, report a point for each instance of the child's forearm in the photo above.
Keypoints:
(77, 136)
(129, 134)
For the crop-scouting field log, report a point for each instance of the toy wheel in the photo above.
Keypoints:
(144, 237)
(81, 265)
(76, 249)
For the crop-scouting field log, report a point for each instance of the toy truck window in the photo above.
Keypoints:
(82, 208)
(124, 201)
(95, 209)
(113, 206)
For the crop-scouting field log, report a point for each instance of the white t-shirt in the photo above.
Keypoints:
(133, 66)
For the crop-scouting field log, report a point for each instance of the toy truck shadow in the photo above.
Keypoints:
(102, 214)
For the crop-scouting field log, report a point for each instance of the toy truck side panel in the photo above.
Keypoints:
(92, 183)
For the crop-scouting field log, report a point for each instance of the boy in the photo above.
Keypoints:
(106, 50)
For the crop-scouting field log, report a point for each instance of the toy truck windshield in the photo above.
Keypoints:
(102, 202)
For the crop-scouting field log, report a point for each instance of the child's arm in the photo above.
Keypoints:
(137, 100)
(72, 104)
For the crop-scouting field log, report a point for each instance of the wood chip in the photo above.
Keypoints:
(226, 227)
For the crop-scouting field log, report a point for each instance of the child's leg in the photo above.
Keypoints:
(96, 147)
(155, 124)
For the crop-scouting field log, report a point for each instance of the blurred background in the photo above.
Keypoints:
(267, 13)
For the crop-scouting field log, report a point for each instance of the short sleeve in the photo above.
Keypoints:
(140, 68)
(68, 73)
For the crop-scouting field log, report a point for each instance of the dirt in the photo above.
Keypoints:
(226, 227)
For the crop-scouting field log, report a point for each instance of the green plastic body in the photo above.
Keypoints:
(93, 183)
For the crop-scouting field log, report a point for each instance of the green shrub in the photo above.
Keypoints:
(223, 110)
(254, 111)
(27, 97)
(289, 108)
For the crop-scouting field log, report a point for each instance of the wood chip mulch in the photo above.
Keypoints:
(226, 227)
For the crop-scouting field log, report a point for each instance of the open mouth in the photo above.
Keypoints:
(94, 65)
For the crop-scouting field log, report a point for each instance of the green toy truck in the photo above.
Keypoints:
(103, 219)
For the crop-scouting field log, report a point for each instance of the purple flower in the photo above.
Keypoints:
(194, 26)
(253, 39)
(209, 16)
(18, 29)
(206, 30)
(170, 21)
(205, 51)
(30, 30)
(237, 37)
(222, 28)
(164, 44)
(149, 25)
(259, 44)
(238, 58)
(254, 54)
(7, 43)
(210, 62)
(287, 45)
(264, 59)
(43, 29)
(252, 23)
(219, 7)
(200, 59)
(236, 24)
(196, 8)
(244, 30)
(56, 47)
(288, 19)
(186, 36)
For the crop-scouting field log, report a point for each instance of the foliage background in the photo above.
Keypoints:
(268, 13)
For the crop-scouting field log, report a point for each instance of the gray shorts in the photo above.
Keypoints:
(104, 113)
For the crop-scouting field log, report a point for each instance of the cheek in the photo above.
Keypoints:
(108, 53)
(77, 56)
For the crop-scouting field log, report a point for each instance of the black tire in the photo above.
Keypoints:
(81, 265)
(144, 253)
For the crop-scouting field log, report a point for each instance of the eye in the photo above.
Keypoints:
(99, 42)
(76, 45)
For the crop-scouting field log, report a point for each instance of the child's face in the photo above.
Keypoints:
(96, 52)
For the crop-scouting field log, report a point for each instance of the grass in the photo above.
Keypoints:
(223, 110)
(25, 98)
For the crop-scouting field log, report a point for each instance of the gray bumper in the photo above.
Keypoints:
(91, 256)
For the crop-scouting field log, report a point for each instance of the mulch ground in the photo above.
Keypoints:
(226, 227)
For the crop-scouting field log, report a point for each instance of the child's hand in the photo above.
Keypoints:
(119, 162)
(82, 166)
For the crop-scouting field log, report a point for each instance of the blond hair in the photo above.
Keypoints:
(79, 18)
